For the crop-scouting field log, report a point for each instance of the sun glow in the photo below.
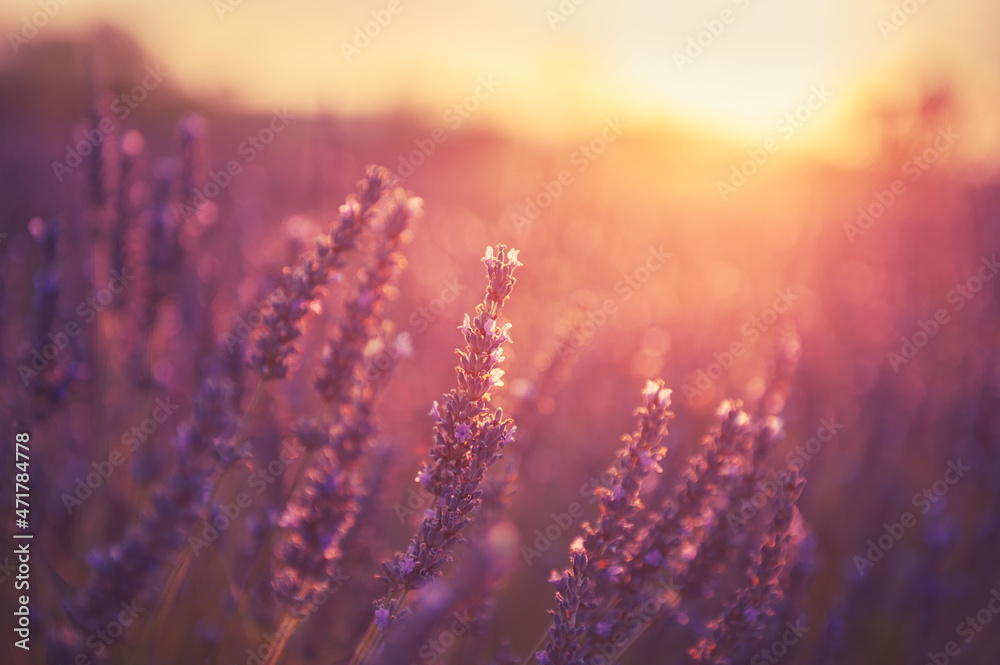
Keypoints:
(738, 68)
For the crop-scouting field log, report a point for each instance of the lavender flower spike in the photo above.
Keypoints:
(326, 506)
(302, 286)
(742, 621)
(601, 557)
(468, 436)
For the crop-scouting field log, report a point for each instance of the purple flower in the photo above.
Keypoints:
(469, 435)
(381, 618)
(123, 571)
(325, 508)
(740, 622)
(602, 556)
(302, 288)
(681, 524)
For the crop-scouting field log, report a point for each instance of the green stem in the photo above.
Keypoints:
(166, 599)
(285, 630)
(538, 645)
(262, 555)
(180, 569)
(374, 637)
(245, 421)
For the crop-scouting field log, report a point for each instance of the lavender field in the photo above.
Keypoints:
(513, 370)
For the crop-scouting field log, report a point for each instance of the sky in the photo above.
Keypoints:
(554, 67)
